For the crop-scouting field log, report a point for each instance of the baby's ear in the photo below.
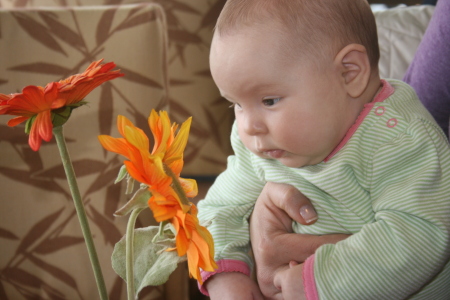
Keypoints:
(354, 66)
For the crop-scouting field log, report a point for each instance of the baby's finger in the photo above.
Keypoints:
(292, 263)
(278, 279)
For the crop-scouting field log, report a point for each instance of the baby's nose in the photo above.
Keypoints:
(254, 124)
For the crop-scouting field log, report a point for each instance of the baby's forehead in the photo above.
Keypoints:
(268, 34)
(272, 38)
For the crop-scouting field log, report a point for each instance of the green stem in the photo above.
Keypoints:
(161, 228)
(176, 185)
(129, 250)
(79, 207)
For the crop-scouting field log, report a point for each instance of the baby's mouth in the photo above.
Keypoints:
(275, 153)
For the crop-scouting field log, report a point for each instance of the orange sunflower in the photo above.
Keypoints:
(151, 168)
(44, 107)
(144, 167)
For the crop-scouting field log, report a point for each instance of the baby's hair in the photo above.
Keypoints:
(308, 25)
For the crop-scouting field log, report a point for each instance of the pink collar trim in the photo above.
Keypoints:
(386, 91)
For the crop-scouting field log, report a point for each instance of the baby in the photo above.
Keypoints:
(312, 112)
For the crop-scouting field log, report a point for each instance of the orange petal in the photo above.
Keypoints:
(134, 172)
(41, 129)
(182, 219)
(160, 127)
(34, 140)
(175, 164)
(40, 97)
(180, 141)
(163, 213)
(192, 256)
(182, 241)
(189, 187)
(4, 98)
(137, 138)
(31, 100)
(45, 126)
(122, 122)
(58, 103)
(105, 68)
(204, 250)
(160, 212)
(116, 145)
(16, 121)
(51, 96)
(77, 87)
(154, 171)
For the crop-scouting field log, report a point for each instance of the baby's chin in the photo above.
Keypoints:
(294, 161)
(284, 157)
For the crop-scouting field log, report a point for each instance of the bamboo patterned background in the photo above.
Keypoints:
(42, 251)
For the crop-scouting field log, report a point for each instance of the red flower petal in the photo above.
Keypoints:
(16, 121)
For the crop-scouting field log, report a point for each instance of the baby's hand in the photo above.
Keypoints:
(289, 282)
(231, 286)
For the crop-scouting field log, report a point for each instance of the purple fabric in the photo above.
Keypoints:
(429, 72)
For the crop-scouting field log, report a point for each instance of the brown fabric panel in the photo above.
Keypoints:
(43, 253)
(192, 93)
(192, 90)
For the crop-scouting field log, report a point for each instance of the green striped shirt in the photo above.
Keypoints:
(389, 186)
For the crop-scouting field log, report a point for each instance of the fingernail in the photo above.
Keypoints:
(308, 213)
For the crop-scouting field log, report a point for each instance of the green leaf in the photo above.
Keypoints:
(139, 200)
(130, 184)
(60, 116)
(29, 123)
(77, 104)
(122, 174)
(152, 264)
(63, 111)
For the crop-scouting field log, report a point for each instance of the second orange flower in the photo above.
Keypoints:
(160, 170)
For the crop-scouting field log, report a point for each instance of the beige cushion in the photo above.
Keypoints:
(400, 31)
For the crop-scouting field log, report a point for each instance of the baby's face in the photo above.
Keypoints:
(285, 110)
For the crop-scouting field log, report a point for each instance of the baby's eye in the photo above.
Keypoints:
(270, 102)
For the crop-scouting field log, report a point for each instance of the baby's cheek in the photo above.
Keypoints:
(246, 140)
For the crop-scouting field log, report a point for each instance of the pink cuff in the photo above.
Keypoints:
(309, 283)
(224, 265)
